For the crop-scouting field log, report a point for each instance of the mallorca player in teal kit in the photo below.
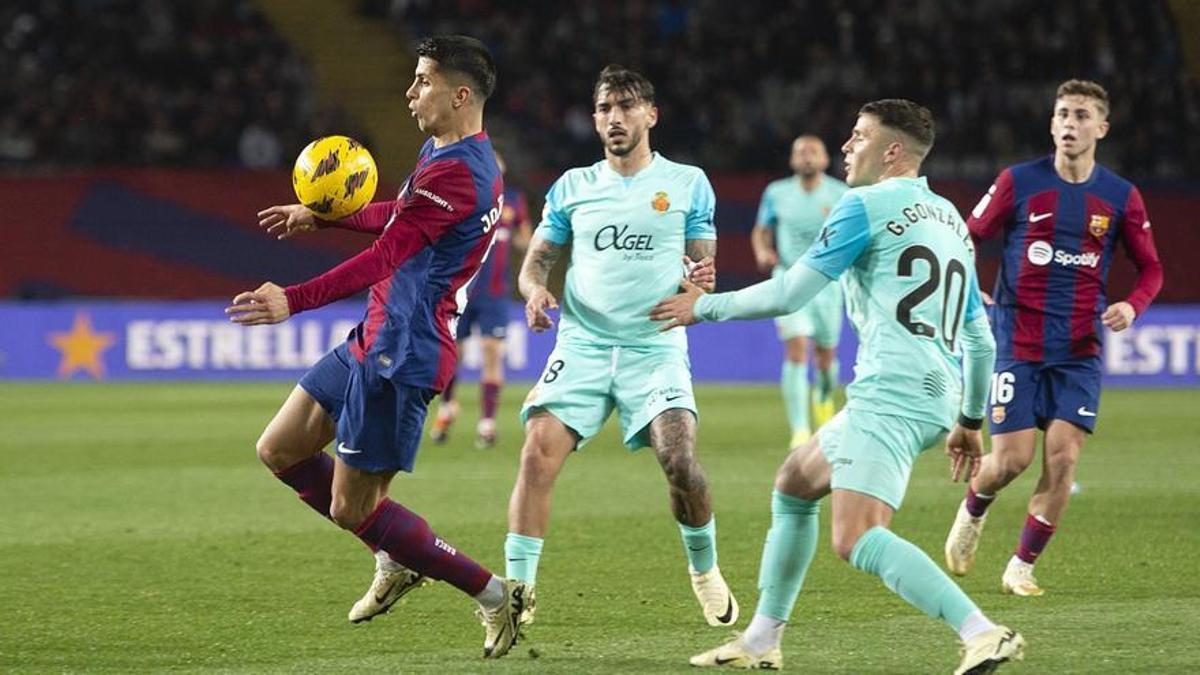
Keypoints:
(907, 266)
(790, 216)
(629, 219)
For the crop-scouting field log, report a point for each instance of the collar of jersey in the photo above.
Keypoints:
(607, 170)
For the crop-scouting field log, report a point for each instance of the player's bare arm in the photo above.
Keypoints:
(762, 240)
(702, 263)
(535, 272)
(265, 305)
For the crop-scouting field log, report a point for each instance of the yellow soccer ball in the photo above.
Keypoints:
(334, 177)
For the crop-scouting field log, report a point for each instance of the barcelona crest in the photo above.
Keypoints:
(998, 414)
(1098, 226)
(661, 203)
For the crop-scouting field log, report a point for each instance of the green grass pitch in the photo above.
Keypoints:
(139, 533)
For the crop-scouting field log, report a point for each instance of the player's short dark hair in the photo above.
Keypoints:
(1087, 88)
(618, 78)
(911, 119)
(464, 55)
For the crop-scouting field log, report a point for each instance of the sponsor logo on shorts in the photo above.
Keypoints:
(343, 450)
(666, 395)
(1084, 412)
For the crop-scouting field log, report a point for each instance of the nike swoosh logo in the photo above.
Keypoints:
(1008, 637)
(724, 618)
(342, 449)
(720, 661)
(1084, 412)
(1038, 217)
(672, 398)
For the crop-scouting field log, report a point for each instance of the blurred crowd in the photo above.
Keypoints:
(209, 82)
(151, 82)
(738, 80)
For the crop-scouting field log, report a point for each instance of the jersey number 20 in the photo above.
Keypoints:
(949, 319)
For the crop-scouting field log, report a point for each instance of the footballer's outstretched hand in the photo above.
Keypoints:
(267, 304)
(285, 221)
(703, 272)
(680, 309)
(964, 447)
(540, 300)
(1118, 316)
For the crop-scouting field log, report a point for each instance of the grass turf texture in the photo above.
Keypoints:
(140, 533)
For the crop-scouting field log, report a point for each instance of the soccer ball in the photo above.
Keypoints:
(334, 177)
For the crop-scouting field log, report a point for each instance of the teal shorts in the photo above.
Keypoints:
(820, 319)
(582, 384)
(873, 453)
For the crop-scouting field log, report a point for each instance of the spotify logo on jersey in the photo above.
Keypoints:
(1040, 253)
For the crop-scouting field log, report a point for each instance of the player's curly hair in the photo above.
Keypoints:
(1088, 88)
(616, 77)
(464, 55)
(912, 119)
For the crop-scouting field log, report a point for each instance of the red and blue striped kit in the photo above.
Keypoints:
(1059, 239)
(431, 242)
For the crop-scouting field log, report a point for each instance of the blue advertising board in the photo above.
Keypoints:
(194, 341)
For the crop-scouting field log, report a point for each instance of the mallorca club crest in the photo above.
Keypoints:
(1098, 226)
(661, 203)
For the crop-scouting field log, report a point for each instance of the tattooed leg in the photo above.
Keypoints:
(673, 436)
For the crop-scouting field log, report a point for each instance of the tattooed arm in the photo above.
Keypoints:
(535, 271)
(702, 270)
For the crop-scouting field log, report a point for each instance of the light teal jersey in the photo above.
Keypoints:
(796, 215)
(907, 266)
(627, 240)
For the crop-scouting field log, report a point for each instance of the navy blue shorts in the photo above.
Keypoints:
(490, 314)
(379, 422)
(1026, 394)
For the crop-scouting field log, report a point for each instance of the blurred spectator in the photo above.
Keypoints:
(128, 82)
(738, 80)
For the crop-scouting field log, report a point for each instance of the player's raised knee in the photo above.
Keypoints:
(271, 452)
(1012, 464)
(347, 513)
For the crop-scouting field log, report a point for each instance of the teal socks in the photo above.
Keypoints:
(794, 382)
(912, 575)
(701, 545)
(787, 553)
(521, 556)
